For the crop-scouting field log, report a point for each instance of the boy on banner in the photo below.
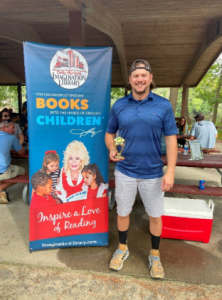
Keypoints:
(141, 117)
(42, 185)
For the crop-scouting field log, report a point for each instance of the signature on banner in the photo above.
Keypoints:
(82, 132)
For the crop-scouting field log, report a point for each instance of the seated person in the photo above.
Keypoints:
(42, 185)
(24, 123)
(4, 114)
(18, 132)
(204, 131)
(182, 129)
(7, 171)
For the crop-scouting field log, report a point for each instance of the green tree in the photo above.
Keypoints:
(116, 93)
(209, 89)
(9, 96)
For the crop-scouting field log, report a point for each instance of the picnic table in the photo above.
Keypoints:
(14, 154)
(183, 136)
(209, 151)
(208, 161)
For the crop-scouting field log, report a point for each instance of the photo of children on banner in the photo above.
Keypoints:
(42, 186)
(94, 183)
(71, 180)
(50, 166)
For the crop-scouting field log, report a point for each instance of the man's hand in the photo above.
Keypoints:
(167, 182)
(112, 155)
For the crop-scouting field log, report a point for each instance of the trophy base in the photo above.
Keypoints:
(119, 157)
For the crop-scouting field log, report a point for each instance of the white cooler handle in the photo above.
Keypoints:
(211, 205)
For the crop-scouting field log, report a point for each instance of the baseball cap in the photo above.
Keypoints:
(199, 116)
(135, 66)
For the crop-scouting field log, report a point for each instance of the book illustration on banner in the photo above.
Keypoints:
(196, 150)
(77, 180)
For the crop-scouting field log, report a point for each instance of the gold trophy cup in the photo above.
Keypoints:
(119, 141)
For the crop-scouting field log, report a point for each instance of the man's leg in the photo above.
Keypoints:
(126, 189)
(151, 194)
(155, 266)
(12, 172)
(5, 185)
(123, 226)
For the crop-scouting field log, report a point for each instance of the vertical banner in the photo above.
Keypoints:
(68, 93)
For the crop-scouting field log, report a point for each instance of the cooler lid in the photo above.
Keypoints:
(189, 208)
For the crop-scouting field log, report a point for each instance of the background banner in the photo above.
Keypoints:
(68, 92)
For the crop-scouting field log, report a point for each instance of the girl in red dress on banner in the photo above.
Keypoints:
(71, 181)
(94, 183)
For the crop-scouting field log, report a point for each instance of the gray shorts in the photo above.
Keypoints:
(150, 193)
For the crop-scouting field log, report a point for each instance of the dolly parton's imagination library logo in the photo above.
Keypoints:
(69, 69)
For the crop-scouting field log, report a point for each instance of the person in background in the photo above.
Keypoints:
(4, 114)
(204, 131)
(182, 129)
(10, 111)
(7, 171)
(24, 123)
(18, 132)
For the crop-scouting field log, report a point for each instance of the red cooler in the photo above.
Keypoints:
(187, 219)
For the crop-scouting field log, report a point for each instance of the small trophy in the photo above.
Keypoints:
(119, 142)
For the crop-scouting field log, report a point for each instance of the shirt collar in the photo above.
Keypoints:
(149, 97)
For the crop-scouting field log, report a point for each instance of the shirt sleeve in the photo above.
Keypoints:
(192, 132)
(169, 124)
(113, 123)
(19, 129)
(15, 144)
(215, 130)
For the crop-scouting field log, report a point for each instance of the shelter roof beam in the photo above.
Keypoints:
(98, 17)
(18, 32)
(211, 43)
(6, 72)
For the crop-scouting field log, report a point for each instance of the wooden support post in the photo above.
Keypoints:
(19, 88)
(173, 98)
(77, 29)
(184, 108)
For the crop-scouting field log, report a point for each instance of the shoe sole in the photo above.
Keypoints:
(154, 277)
(116, 270)
(3, 201)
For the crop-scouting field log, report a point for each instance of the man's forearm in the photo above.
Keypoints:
(21, 138)
(171, 152)
(109, 140)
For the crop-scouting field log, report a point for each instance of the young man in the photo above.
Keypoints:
(204, 131)
(7, 171)
(141, 117)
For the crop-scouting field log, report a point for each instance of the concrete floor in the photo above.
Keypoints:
(186, 261)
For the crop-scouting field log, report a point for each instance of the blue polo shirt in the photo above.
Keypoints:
(7, 141)
(141, 124)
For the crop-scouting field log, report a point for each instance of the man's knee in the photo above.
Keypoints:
(123, 217)
(156, 221)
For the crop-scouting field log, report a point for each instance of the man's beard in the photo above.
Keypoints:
(140, 92)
